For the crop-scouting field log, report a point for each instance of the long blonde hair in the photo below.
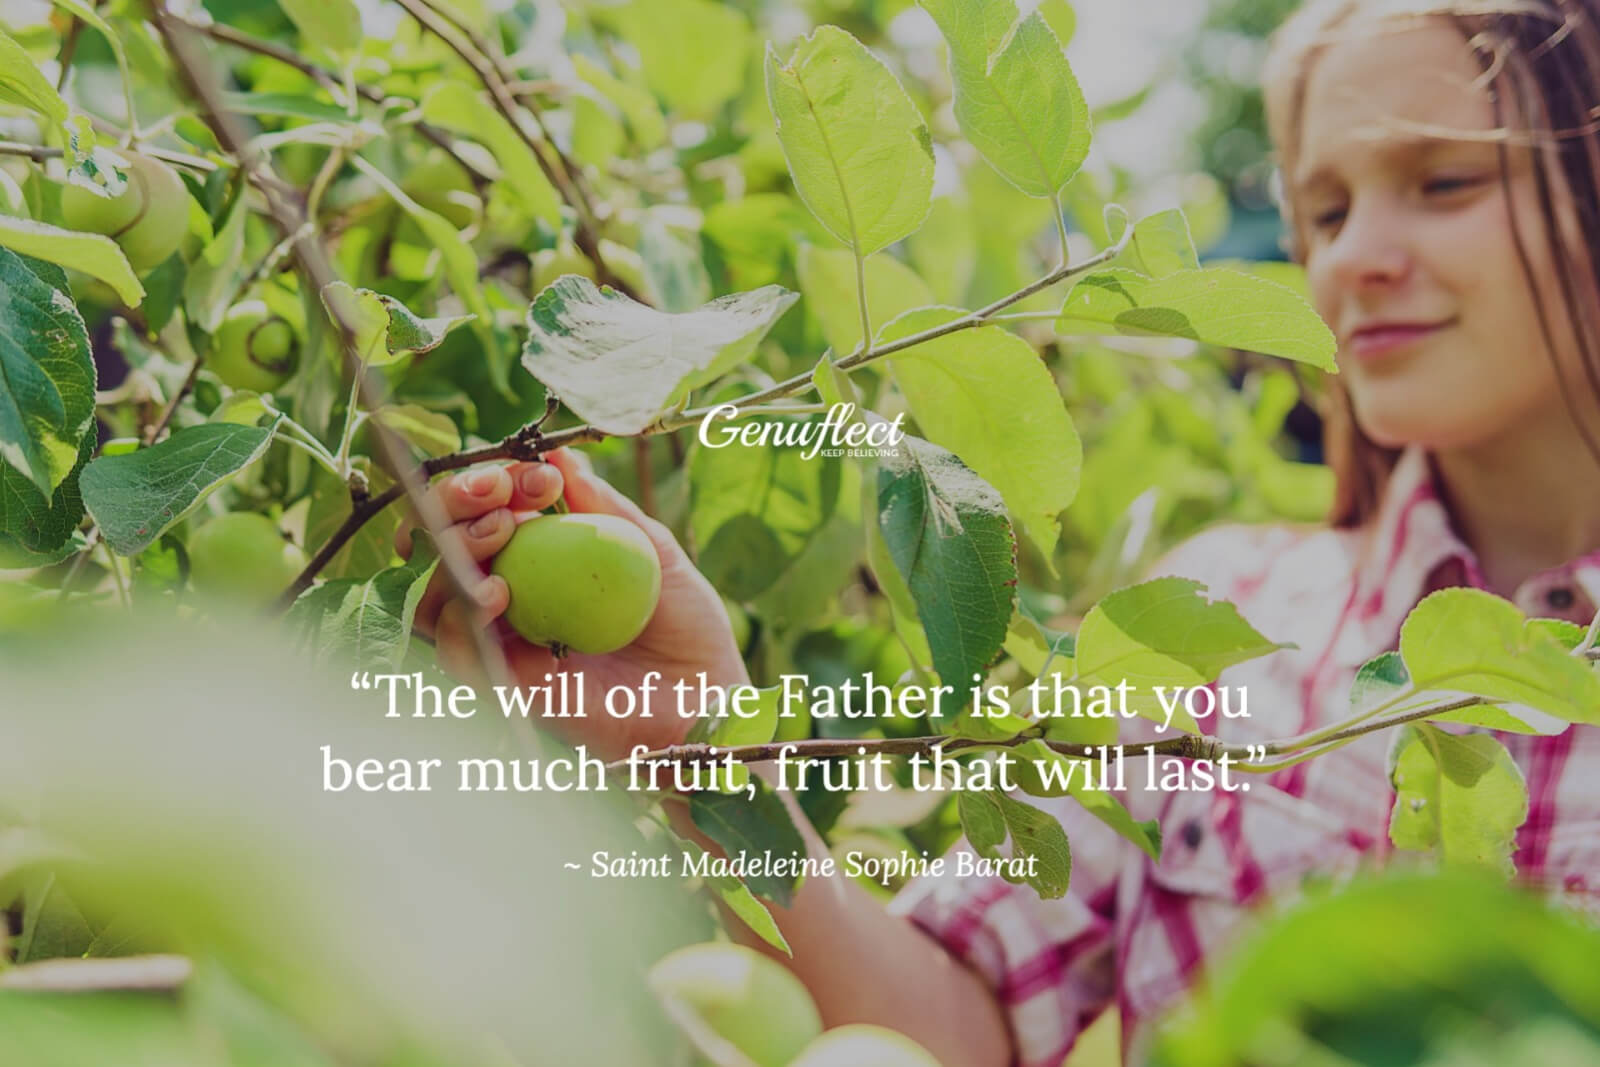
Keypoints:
(1541, 58)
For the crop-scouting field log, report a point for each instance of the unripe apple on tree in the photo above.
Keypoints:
(243, 555)
(750, 1001)
(149, 220)
(580, 581)
(253, 348)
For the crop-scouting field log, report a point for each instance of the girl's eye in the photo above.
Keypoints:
(1452, 184)
(1327, 218)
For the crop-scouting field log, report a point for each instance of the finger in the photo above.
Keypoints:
(492, 594)
(535, 486)
(586, 491)
(465, 495)
(480, 539)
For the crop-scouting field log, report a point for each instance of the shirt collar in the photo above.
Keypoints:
(1412, 549)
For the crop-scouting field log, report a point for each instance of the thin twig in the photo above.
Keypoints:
(154, 431)
(69, 48)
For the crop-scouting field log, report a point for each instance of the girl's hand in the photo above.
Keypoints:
(689, 632)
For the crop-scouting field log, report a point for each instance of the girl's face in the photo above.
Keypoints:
(1408, 243)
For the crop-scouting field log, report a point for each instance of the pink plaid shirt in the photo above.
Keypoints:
(1136, 931)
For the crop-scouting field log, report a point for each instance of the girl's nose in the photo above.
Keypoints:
(1371, 247)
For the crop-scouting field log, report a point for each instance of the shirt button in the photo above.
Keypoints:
(1560, 598)
(1192, 833)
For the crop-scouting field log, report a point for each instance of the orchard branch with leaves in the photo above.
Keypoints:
(622, 344)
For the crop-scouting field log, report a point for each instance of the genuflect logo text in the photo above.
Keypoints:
(835, 435)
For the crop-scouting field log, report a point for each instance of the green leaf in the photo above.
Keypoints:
(988, 818)
(333, 24)
(1463, 796)
(1016, 97)
(52, 925)
(36, 530)
(1469, 641)
(289, 105)
(454, 106)
(947, 532)
(692, 51)
(136, 497)
(378, 317)
(860, 153)
(213, 280)
(828, 284)
(365, 620)
(94, 254)
(1380, 680)
(754, 510)
(1174, 617)
(618, 364)
(638, 108)
(47, 378)
(758, 827)
(1162, 633)
(432, 431)
(22, 84)
(1214, 305)
(1160, 245)
(985, 395)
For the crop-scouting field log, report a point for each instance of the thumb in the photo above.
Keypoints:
(586, 491)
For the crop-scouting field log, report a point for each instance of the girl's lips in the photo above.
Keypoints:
(1371, 342)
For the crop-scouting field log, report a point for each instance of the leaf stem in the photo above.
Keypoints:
(861, 302)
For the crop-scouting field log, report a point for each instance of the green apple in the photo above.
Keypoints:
(583, 582)
(746, 999)
(864, 1045)
(253, 348)
(149, 219)
(242, 554)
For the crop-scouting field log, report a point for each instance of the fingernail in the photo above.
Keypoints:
(482, 482)
(484, 525)
(536, 480)
(488, 591)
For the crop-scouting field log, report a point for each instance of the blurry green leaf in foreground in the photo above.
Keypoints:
(425, 928)
(1414, 970)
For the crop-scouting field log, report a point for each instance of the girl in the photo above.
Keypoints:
(1441, 179)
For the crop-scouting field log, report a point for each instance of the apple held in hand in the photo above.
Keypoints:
(746, 999)
(149, 220)
(253, 348)
(864, 1045)
(580, 581)
(242, 554)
